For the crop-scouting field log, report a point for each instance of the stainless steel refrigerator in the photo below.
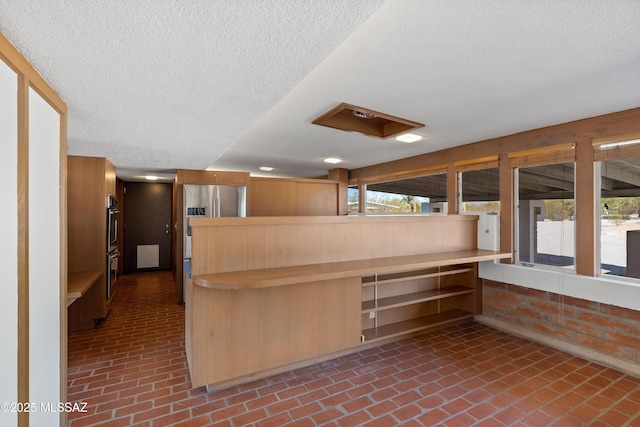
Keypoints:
(201, 201)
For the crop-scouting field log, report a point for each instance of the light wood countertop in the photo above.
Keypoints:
(282, 276)
(80, 282)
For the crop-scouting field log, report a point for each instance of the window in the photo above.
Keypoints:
(618, 164)
(545, 208)
(353, 195)
(382, 201)
(424, 191)
(479, 185)
(424, 194)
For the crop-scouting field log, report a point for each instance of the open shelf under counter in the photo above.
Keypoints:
(415, 325)
(414, 298)
(411, 275)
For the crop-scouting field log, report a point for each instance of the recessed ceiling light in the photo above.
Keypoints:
(363, 115)
(266, 168)
(351, 118)
(332, 160)
(408, 138)
(151, 178)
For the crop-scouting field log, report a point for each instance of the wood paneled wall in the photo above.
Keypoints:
(262, 242)
(90, 180)
(293, 197)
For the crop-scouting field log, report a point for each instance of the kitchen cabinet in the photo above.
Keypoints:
(89, 181)
(285, 292)
(293, 197)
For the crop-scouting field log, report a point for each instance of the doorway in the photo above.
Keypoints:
(147, 226)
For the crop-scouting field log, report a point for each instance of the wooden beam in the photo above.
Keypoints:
(10, 55)
(452, 189)
(63, 263)
(23, 247)
(342, 176)
(506, 210)
(585, 201)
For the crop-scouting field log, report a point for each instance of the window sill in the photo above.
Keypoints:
(606, 290)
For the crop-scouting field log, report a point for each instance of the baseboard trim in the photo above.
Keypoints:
(574, 349)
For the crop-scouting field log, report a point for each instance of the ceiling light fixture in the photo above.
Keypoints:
(266, 168)
(151, 178)
(364, 121)
(332, 160)
(408, 138)
(363, 115)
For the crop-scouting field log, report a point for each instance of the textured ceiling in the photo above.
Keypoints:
(155, 85)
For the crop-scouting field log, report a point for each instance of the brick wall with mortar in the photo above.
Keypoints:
(607, 329)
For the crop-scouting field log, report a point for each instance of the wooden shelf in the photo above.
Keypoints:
(384, 279)
(403, 294)
(415, 325)
(414, 298)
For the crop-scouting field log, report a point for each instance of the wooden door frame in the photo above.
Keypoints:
(28, 78)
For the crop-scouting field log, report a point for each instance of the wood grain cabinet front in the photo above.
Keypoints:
(89, 181)
(285, 292)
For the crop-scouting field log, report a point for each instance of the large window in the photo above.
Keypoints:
(479, 185)
(353, 196)
(382, 201)
(421, 194)
(545, 207)
(619, 243)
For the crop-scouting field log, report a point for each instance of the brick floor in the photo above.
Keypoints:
(132, 371)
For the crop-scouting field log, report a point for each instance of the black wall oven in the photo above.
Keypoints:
(112, 243)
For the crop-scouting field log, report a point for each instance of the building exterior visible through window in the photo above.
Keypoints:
(545, 206)
(618, 164)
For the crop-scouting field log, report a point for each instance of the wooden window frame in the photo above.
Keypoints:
(547, 155)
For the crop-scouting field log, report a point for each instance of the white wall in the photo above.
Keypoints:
(8, 250)
(44, 258)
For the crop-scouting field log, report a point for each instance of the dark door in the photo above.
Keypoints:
(147, 226)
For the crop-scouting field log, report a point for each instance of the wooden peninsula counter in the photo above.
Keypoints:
(273, 293)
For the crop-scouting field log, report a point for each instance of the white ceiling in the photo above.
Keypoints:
(156, 85)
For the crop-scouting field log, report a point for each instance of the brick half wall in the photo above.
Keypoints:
(603, 333)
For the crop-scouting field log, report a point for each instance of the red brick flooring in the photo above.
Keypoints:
(132, 370)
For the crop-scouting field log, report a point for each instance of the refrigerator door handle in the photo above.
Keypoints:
(216, 202)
